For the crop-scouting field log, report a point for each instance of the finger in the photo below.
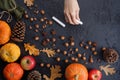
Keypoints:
(69, 19)
(77, 15)
(66, 18)
(74, 19)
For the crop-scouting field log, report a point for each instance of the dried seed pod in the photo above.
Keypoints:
(91, 59)
(58, 59)
(62, 37)
(42, 12)
(37, 38)
(34, 75)
(53, 32)
(48, 65)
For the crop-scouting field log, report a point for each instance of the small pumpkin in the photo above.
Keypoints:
(10, 52)
(13, 71)
(76, 71)
(5, 32)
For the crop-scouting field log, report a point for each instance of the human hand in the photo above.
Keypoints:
(71, 11)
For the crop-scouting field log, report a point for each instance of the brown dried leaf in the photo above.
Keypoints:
(108, 70)
(29, 2)
(49, 52)
(31, 48)
(54, 73)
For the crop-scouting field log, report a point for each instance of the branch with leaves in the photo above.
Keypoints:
(108, 70)
(54, 73)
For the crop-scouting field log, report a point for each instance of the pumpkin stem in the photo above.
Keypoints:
(76, 77)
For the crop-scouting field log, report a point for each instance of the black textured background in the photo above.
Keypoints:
(101, 20)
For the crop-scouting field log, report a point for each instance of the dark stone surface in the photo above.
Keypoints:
(101, 20)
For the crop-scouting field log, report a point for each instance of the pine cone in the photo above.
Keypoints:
(18, 32)
(34, 75)
(110, 55)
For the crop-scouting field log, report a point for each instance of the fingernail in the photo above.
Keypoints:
(80, 22)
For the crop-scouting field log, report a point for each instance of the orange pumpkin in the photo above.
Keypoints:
(76, 71)
(5, 32)
(13, 71)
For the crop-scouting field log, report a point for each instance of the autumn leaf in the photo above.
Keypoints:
(49, 52)
(31, 48)
(54, 73)
(29, 2)
(108, 70)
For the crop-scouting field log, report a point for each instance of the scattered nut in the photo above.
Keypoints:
(62, 37)
(71, 38)
(26, 16)
(103, 49)
(47, 39)
(76, 59)
(42, 12)
(66, 60)
(30, 27)
(31, 19)
(64, 52)
(72, 58)
(95, 53)
(89, 42)
(44, 43)
(84, 58)
(76, 49)
(93, 49)
(72, 43)
(94, 44)
(42, 64)
(41, 20)
(35, 19)
(91, 59)
(48, 65)
(58, 59)
(44, 33)
(81, 45)
(79, 55)
(66, 44)
(50, 22)
(86, 47)
(37, 38)
(36, 30)
(58, 50)
(53, 32)
(53, 39)
(36, 25)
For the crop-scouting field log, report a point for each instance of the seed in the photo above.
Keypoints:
(64, 52)
(93, 49)
(26, 16)
(58, 59)
(58, 50)
(66, 44)
(36, 25)
(94, 44)
(76, 49)
(31, 19)
(53, 32)
(66, 60)
(37, 38)
(95, 53)
(72, 43)
(50, 22)
(48, 65)
(62, 37)
(79, 55)
(89, 42)
(42, 64)
(86, 47)
(42, 12)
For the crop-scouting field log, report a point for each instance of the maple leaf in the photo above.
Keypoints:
(54, 73)
(31, 48)
(49, 52)
(29, 2)
(108, 70)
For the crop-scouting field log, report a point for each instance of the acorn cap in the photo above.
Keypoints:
(110, 55)
(34, 75)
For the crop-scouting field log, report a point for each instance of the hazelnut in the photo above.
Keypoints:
(62, 37)
(31, 19)
(58, 50)
(89, 42)
(42, 64)
(79, 55)
(66, 44)
(86, 47)
(64, 52)
(37, 38)
(50, 22)
(53, 39)
(47, 65)
(66, 60)
(42, 12)
(94, 44)
(36, 25)
(93, 49)
(58, 59)
(95, 53)
(53, 32)
(72, 43)
(76, 49)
